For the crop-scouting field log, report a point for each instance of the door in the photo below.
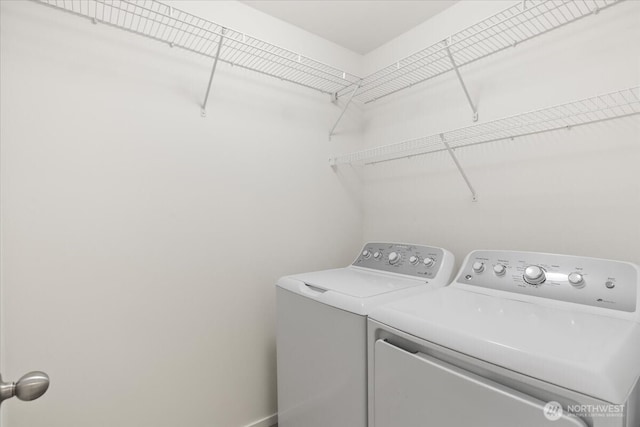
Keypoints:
(28, 387)
(416, 390)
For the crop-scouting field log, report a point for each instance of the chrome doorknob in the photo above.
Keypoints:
(29, 387)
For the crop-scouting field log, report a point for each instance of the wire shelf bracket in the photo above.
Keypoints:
(464, 87)
(203, 110)
(474, 196)
(344, 110)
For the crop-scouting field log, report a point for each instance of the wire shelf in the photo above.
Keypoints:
(158, 21)
(520, 22)
(599, 108)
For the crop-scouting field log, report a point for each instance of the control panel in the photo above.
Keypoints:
(589, 281)
(414, 260)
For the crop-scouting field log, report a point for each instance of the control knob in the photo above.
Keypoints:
(428, 262)
(413, 259)
(478, 267)
(576, 280)
(366, 254)
(534, 275)
(377, 255)
(499, 269)
(394, 258)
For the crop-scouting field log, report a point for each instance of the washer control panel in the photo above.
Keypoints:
(414, 260)
(589, 281)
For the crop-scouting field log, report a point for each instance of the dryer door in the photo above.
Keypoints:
(416, 390)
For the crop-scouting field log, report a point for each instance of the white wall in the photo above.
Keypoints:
(575, 192)
(141, 242)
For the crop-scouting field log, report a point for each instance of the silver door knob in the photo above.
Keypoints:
(29, 387)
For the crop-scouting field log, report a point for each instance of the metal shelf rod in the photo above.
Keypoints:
(203, 112)
(474, 196)
(464, 87)
(344, 110)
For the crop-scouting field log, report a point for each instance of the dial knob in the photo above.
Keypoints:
(394, 258)
(377, 255)
(478, 267)
(413, 260)
(576, 280)
(534, 275)
(366, 253)
(499, 269)
(428, 262)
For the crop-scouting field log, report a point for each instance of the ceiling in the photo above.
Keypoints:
(357, 25)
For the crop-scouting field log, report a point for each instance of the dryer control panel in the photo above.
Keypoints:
(589, 281)
(414, 260)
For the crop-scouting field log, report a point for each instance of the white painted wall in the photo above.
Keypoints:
(574, 192)
(141, 242)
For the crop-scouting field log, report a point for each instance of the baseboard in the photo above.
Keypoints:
(269, 421)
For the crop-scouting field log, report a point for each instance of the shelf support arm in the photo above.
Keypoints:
(474, 196)
(203, 111)
(344, 109)
(464, 87)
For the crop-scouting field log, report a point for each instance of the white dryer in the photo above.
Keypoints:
(322, 329)
(519, 339)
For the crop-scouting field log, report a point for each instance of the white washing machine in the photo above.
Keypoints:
(519, 339)
(322, 329)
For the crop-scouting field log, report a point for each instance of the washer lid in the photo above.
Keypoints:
(352, 288)
(357, 282)
(588, 353)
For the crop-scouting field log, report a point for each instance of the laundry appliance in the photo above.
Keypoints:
(519, 339)
(322, 329)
